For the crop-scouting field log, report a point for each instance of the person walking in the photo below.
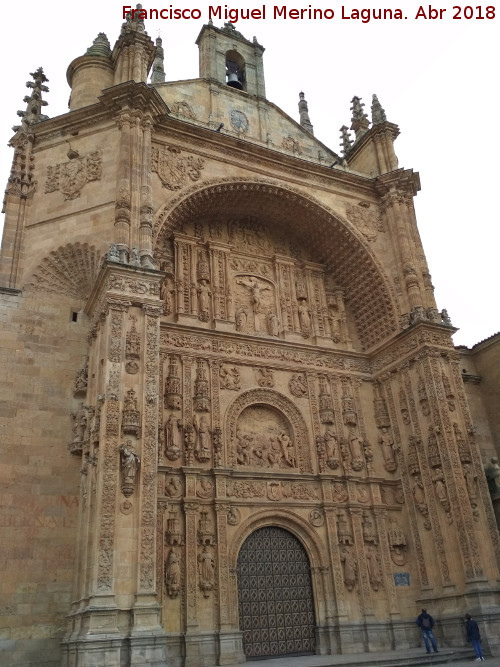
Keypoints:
(425, 622)
(473, 636)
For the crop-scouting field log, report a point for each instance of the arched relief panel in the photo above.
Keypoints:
(304, 223)
(70, 270)
(263, 425)
(298, 527)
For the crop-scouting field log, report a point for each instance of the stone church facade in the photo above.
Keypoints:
(234, 421)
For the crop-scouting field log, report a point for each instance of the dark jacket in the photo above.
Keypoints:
(472, 630)
(420, 621)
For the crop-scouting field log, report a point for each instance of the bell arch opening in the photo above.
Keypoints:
(266, 229)
(275, 595)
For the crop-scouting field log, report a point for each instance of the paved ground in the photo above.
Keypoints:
(397, 658)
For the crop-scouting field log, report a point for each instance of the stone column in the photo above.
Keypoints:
(123, 202)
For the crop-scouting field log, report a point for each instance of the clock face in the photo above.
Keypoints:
(239, 121)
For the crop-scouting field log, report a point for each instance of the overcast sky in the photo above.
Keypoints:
(437, 79)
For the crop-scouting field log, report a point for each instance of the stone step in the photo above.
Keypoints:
(409, 658)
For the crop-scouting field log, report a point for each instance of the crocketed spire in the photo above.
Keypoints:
(359, 120)
(378, 114)
(305, 121)
(34, 101)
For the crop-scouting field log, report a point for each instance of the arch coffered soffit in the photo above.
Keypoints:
(332, 240)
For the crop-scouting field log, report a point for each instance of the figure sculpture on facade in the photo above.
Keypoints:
(241, 318)
(356, 450)
(255, 292)
(350, 568)
(206, 570)
(298, 385)
(129, 463)
(204, 298)
(387, 444)
(332, 448)
(373, 566)
(79, 423)
(173, 437)
(304, 319)
(166, 295)
(229, 377)
(273, 324)
(173, 572)
(203, 438)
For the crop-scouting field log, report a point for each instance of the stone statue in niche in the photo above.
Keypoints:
(81, 381)
(373, 566)
(304, 318)
(369, 529)
(204, 299)
(229, 377)
(298, 385)
(420, 503)
(387, 445)
(241, 318)
(206, 569)
(173, 572)
(173, 437)
(397, 543)
(332, 448)
(355, 446)
(273, 324)
(470, 481)
(79, 426)
(167, 296)
(350, 568)
(129, 464)
(203, 438)
(442, 493)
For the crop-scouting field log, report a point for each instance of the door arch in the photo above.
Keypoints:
(275, 597)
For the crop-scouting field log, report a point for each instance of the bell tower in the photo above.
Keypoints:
(227, 57)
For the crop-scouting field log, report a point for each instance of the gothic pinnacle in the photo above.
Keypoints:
(34, 102)
(378, 114)
(305, 121)
(346, 139)
(158, 75)
(359, 120)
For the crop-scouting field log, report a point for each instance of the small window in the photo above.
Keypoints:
(74, 316)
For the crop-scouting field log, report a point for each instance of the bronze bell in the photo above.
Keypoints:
(233, 81)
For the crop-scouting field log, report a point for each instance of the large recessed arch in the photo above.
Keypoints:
(334, 241)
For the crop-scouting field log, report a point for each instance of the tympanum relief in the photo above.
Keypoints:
(264, 439)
